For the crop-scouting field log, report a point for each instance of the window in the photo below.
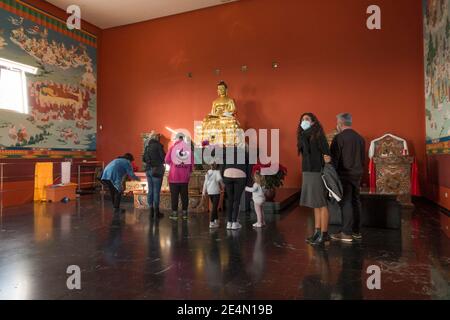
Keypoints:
(13, 85)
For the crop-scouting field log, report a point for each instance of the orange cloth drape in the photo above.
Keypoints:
(43, 176)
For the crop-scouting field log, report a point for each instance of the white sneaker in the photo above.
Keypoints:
(213, 225)
(236, 225)
(258, 225)
(217, 222)
(229, 225)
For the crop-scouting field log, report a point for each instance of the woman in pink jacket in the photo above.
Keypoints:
(181, 160)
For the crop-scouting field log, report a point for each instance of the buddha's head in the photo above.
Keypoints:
(222, 89)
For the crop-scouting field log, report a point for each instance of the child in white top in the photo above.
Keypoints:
(213, 186)
(258, 199)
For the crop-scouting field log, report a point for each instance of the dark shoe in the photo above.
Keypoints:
(322, 239)
(342, 237)
(152, 211)
(357, 235)
(185, 215)
(158, 214)
(174, 215)
(314, 237)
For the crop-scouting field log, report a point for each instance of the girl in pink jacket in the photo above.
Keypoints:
(180, 158)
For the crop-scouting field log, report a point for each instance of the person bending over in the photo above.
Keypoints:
(114, 174)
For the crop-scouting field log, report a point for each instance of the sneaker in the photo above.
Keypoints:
(217, 222)
(258, 225)
(236, 226)
(229, 225)
(323, 239)
(314, 237)
(174, 215)
(357, 235)
(213, 225)
(185, 215)
(342, 237)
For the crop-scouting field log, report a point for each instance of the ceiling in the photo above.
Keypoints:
(113, 13)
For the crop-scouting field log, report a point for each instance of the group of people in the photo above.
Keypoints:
(233, 177)
(346, 154)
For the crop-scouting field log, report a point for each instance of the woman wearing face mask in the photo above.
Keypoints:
(313, 146)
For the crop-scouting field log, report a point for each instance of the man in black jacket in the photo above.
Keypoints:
(348, 157)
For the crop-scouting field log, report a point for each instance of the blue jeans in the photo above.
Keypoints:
(154, 189)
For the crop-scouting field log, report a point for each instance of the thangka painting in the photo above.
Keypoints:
(62, 96)
(437, 74)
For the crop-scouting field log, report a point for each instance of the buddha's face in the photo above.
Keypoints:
(221, 91)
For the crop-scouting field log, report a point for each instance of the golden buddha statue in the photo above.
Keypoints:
(220, 125)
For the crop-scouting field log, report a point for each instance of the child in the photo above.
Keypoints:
(258, 199)
(212, 187)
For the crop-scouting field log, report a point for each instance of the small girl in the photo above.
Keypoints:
(212, 187)
(258, 199)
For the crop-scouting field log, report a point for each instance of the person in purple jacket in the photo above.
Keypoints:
(180, 158)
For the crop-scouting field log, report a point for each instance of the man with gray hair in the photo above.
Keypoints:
(348, 157)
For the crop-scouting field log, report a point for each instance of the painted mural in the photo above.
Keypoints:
(437, 74)
(62, 97)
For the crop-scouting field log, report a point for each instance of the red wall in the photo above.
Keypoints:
(329, 63)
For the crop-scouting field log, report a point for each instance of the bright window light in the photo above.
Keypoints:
(13, 85)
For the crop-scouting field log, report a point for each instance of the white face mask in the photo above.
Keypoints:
(305, 124)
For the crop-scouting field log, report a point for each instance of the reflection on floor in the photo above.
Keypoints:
(133, 257)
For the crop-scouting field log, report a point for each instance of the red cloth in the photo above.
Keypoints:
(372, 175)
(415, 188)
(135, 167)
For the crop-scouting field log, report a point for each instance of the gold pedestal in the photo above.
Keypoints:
(218, 131)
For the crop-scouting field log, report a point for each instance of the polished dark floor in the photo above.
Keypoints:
(136, 258)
